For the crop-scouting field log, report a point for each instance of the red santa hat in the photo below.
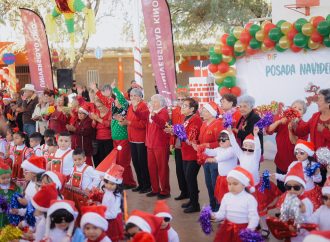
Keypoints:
(243, 176)
(162, 210)
(94, 215)
(85, 108)
(6, 97)
(212, 107)
(42, 199)
(249, 139)
(326, 187)
(35, 164)
(306, 146)
(115, 174)
(143, 237)
(4, 168)
(58, 178)
(296, 173)
(111, 158)
(145, 221)
(319, 236)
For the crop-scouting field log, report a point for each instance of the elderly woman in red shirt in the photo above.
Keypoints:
(157, 142)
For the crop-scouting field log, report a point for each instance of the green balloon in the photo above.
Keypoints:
(229, 81)
(275, 34)
(326, 41)
(231, 40)
(233, 61)
(279, 23)
(328, 18)
(300, 40)
(220, 85)
(299, 23)
(324, 28)
(279, 49)
(215, 59)
(254, 28)
(255, 44)
(211, 51)
(237, 54)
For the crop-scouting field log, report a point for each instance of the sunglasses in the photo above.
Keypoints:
(325, 198)
(167, 219)
(248, 150)
(299, 153)
(223, 140)
(295, 187)
(61, 220)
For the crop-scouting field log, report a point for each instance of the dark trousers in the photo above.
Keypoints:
(211, 175)
(140, 163)
(104, 147)
(180, 172)
(280, 184)
(191, 169)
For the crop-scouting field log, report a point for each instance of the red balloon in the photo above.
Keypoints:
(292, 33)
(269, 43)
(317, 20)
(316, 37)
(236, 91)
(227, 50)
(268, 27)
(224, 38)
(223, 67)
(245, 37)
(251, 51)
(213, 68)
(295, 48)
(224, 90)
(248, 26)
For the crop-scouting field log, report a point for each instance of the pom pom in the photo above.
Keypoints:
(265, 121)
(252, 189)
(119, 147)
(310, 170)
(201, 156)
(4, 206)
(247, 235)
(291, 114)
(29, 216)
(50, 109)
(265, 183)
(205, 219)
(323, 155)
(290, 210)
(180, 132)
(96, 195)
(227, 120)
(10, 233)
(14, 204)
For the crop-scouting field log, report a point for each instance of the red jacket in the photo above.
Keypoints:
(83, 136)
(103, 130)
(177, 118)
(320, 139)
(192, 127)
(209, 134)
(57, 121)
(155, 134)
(138, 122)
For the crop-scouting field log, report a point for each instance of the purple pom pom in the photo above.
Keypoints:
(180, 132)
(265, 121)
(205, 220)
(227, 120)
(247, 235)
(265, 183)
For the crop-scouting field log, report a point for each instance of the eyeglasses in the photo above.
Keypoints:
(223, 140)
(248, 150)
(325, 198)
(166, 219)
(299, 153)
(295, 187)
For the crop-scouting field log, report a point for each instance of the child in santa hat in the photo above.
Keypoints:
(141, 221)
(94, 224)
(112, 199)
(60, 221)
(226, 159)
(304, 152)
(54, 177)
(7, 189)
(166, 233)
(238, 207)
(322, 214)
(33, 166)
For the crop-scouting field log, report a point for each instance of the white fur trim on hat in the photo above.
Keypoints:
(325, 190)
(54, 178)
(164, 215)
(240, 177)
(211, 110)
(140, 222)
(224, 131)
(30, 167)
(36, 206)
(315, 238)
(248, 141)
(94, 219)
(295, 178)
(304, 148)
(61, 205)
(83, 111)
(113, 179)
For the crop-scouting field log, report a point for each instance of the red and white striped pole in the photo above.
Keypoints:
(137, 45)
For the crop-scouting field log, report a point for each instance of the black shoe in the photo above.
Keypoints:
(163, 196)
(152, 194)
(127, 187)
(192, 209)
(145, 190)
(186, 205)
(137, 189)
(181, 197)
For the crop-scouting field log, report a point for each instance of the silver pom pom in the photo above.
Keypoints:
(323, 155)
(290, 210)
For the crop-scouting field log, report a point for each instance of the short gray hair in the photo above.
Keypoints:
(247, 99)
(106, 87)
(137, 92)
(159, 98)
(302, 103)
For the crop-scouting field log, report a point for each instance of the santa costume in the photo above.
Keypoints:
(95, 215)
(113, 202)
(313, 192)
(167, 234)
(238, 211)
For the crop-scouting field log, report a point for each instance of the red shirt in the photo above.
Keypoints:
(209, 133)
(138, 122)
(57, 122)
(103, 131)
(192, 127)
(155, 134)
(320, 139)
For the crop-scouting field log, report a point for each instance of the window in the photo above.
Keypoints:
(93, 76)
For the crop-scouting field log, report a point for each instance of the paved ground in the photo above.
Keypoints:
(186, 225)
